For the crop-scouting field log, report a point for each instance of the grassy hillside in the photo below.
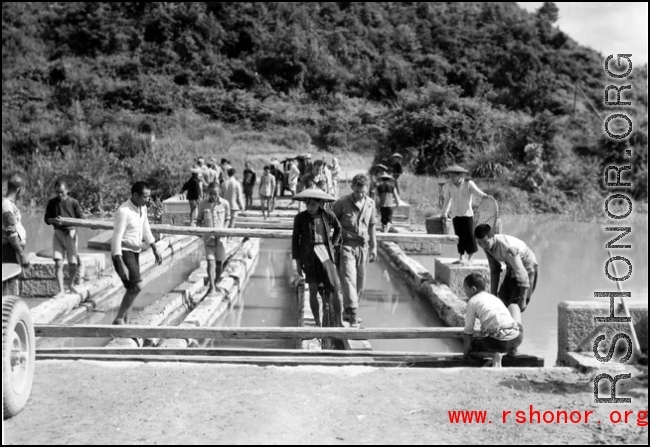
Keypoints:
(487, 85)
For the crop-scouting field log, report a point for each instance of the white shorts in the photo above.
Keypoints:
(65, 244)
(215, 251)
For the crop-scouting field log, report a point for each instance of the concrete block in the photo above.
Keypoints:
(189, 290)
(38, 288)
(577, 329)
(454, 275)
(91, 267)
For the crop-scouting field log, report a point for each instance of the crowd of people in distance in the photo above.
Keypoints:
(334, 239)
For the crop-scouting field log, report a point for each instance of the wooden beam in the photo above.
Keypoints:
(256, 233)
(128, 331)
(240, 352)
(388, 362)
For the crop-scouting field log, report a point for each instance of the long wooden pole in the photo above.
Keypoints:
(257, 233)
(243, 352)
(211, 333)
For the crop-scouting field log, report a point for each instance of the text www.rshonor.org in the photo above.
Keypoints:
(548, 417)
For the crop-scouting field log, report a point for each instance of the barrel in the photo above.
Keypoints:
(439, 225)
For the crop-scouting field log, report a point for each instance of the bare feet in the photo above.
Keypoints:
(119, 322)
(496, 360)
(73, 289)
(459, 262)
(512, 353)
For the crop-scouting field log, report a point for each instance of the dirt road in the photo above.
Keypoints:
(101, 403)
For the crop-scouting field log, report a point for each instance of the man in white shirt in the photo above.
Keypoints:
(14, 236)
(459, 193)
(130, 230)
(501, 332)
(231, 191)
(294, 176)
(521, 272)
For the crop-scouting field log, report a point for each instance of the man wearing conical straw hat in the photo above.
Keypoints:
(459, 193)
(314, 253)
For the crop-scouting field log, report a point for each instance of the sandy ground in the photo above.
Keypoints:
(128, 403)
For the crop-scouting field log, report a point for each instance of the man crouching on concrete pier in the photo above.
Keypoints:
(502, 332)
(131, 228)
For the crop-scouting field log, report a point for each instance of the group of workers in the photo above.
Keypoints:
(331, 245)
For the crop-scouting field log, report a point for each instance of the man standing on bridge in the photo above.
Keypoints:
(214, 212)
(64, 241)
(356, 213)
(130, 230)
(14, 236)
(316, 232)
(231, 190)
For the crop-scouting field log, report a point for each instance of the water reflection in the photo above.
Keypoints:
(387, 302)
(269, 300)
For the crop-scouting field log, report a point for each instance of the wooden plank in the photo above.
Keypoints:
(252, 361)
(256, 233)
(297, 361)
(128, 331)
(10, 271)
(240, 352)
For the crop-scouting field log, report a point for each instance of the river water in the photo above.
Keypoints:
(571, 257)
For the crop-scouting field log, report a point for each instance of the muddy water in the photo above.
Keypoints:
(387, 302)
(572, 259)
(268, 300)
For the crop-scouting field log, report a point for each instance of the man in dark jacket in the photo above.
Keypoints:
(314, 253)
(194, 190)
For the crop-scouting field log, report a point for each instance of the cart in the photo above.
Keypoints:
(18, 346)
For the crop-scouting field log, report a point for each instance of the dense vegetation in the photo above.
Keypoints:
(84, 84)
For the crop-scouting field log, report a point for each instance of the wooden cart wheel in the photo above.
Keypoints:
(18, 355)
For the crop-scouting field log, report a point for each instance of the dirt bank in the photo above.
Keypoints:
(101, 403)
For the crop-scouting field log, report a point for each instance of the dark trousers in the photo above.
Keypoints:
(464, 229)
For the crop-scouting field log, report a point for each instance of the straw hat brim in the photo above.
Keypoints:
(455, 169)
(386, 177)
(396, 156)
(313, 193)
(381, 167)
(196, 170)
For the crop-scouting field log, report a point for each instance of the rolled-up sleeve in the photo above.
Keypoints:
(119, 228)
(373, 217)
(147, 235)
(517, 265)
(475, 189)
(470, 318)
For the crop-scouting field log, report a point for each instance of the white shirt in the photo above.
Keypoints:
(9, 208)
(494, 316)
(458, 202)
(294, 175)
(131, 228)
